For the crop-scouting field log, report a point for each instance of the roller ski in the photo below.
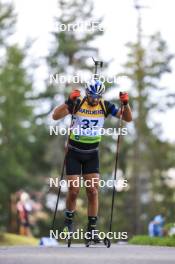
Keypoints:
(68, 231)
(92, 238)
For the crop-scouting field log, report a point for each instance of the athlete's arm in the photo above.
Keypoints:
(65, 109)
(60, 112)
(127, 114)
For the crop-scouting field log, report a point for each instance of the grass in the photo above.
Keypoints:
(153, 241)
(8, 239)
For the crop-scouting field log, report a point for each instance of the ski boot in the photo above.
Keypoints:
(92, 238)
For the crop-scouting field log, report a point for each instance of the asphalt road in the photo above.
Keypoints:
(118, 254)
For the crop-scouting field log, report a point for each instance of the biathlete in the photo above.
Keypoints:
(82, 156)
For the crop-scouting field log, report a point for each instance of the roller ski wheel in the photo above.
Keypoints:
(93, 239)
(107, 242)
(68, 234)
(92, 242)
(69, 242)
(89, 243)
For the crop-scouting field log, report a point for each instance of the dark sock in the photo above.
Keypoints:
(92, 221)
(69, 215)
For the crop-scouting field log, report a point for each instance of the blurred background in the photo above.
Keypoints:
(137, 47)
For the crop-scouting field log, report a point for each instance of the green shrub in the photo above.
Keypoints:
(153, 241)
(7, 239)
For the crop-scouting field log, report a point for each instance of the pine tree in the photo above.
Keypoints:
(21, 139)
(7, 22)
(147, 63)
(71, 48)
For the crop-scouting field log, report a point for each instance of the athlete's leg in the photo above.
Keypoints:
(91, 181)
(90, 169)
(73, 170)
(92, 194)
(73, 190)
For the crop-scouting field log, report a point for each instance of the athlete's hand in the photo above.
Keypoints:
(124, 97)
(74, 94)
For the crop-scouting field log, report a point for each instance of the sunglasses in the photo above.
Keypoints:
(95, 96)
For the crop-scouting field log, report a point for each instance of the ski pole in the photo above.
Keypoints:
(116, 165)
(62, 172)
(97, 64)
